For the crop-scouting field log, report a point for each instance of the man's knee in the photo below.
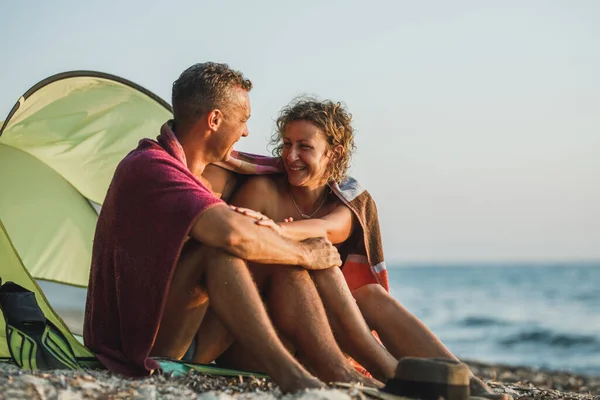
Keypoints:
(293, 273)
(196, 260)
(213, 256)
(333, 273)
(264, 274)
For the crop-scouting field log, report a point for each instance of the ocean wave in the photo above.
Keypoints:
(482, 321)
(585, 297)
(553, 339)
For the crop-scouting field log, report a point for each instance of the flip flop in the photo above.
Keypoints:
(34, 342)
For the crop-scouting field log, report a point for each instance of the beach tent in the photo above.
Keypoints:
(59, 147)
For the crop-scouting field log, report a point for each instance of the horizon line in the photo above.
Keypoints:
(492, 263)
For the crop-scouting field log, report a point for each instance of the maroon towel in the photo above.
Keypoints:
(148, 212)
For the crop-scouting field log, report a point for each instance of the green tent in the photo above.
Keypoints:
(59, 147)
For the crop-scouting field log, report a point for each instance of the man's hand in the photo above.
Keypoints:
(321, 254)
(249, 213)
(260, 218)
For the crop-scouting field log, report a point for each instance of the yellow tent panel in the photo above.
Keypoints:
(59, 147)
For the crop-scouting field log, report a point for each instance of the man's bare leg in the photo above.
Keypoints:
(215, 342)
(185, 306)
(405, 335)
(235, 299)
(298, 313)
(349, 327)
(212, 339)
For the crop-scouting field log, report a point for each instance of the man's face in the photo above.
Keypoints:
(234, 124)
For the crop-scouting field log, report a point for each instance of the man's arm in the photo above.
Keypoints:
(222, 227)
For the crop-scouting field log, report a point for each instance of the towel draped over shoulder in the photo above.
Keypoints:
(147, 214)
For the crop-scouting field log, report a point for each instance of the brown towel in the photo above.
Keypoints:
(364, 263)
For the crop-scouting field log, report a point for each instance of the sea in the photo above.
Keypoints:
(544, 316)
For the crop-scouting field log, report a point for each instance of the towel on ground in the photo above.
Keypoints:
(146, 217)
(363, 251)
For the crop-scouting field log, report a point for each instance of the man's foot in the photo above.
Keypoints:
(300, 383)
(479, 388)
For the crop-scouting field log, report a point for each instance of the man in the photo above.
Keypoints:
(165, 246)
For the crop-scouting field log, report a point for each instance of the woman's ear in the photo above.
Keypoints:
(338, 152)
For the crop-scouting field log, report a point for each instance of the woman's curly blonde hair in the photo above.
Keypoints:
(331, 118)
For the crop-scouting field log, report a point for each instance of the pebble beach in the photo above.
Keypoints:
(519, 382)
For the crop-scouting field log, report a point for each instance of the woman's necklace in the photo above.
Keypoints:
(307, 216)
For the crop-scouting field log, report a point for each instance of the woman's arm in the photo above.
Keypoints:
(337, 226)
(259, 196)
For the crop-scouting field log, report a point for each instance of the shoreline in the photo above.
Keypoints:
(537, 383)
(519, 382)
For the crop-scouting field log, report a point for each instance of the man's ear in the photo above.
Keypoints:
(214, 119)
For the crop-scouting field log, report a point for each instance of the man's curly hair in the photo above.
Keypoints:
(331, 118)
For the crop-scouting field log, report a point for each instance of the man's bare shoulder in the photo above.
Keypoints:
(221, 181)
(259, 193)
(262, 183)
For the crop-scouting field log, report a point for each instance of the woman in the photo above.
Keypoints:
(315, 142)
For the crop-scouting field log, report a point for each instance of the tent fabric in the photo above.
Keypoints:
(49, 222)
(59, 147)
(82, 127)
(13, 270)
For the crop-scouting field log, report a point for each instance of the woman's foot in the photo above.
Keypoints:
(350, 375)
(367, 380)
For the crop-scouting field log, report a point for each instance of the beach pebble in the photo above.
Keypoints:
(69, 395)
(521, 383)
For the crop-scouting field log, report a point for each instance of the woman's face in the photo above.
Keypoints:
(306, 154)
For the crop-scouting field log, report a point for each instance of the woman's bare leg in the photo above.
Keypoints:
(401, 332)
(405, 335)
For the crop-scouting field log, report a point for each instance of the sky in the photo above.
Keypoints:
(477, 123)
